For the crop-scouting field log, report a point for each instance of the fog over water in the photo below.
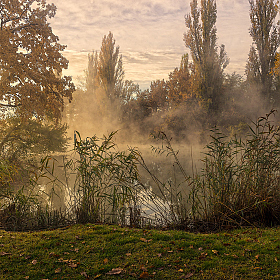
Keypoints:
(149, 33)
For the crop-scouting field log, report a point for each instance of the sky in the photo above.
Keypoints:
(148, 32)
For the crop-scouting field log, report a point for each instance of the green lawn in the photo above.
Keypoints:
(111, 252)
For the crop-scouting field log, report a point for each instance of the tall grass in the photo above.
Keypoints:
(106, 180)
(237, 186)
(26, 207)
(166, 199)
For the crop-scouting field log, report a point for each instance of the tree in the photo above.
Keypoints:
(158, 94)
(22, 145)
(208, 62)
(26, 139)
(105, 76)
(31, 62)
(92, 78)
(266, 40)
(105, 102)
(32, 89)
(109, 67)
(180, 84)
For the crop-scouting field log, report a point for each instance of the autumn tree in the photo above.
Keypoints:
(180, 84)
(31, 63)
(265, 34)
(158, 96)
(209, 62)
(32, 87)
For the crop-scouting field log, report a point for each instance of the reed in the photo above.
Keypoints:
(239, 184)
(106, 180)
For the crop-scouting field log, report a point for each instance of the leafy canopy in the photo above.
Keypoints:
(31, 62)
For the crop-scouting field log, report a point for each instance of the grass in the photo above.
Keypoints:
(111, 252)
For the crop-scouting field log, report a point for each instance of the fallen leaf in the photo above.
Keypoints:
(144, 275)
(215, 252)
(202, 256)
(145, 240)
(84, 273)
(276, 259)
(97, 276)
(34, 262)
(58, 270)
(128, 254)
(187, 276)
(73, 265)
(159, 255)
(115, 271)
(169, 251)
(143, 268)
(257, 257)
(180, 270)
(53, 254)
(191, 247)
(105, 261)
(257, 267)
(4, 254)
(76, 250)
(26, 277)
(200, 248)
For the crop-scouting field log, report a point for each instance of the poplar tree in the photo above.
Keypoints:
(209, 61)
(265, 33)
(92, 79)
(109, 67)
(105, 75)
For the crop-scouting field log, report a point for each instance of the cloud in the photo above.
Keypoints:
(137, 24)
(140, 67)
